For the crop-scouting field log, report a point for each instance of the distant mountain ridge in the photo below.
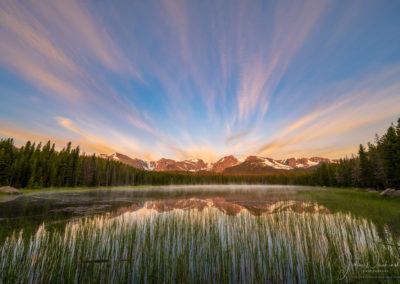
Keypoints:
(227, 164)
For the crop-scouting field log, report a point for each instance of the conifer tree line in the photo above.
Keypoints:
(376, 166)
(42, 166)
(36, 166)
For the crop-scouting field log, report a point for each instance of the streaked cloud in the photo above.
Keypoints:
(49, 42)
(204, 152)
(236, 136)
(200, 79)
(357, 108)
(263, 70)
(23, 134)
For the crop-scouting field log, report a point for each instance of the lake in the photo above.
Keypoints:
(185, 234)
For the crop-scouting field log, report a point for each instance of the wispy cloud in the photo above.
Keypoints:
(23, 134)
(263, 70)
(95, 141)
(185, 79)
(84, 31)
(236, 136)
(204, 152)
(357, 107)
(47, 42)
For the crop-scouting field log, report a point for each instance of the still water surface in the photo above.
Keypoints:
(185, 234)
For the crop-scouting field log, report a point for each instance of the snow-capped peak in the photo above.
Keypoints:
(224, 163)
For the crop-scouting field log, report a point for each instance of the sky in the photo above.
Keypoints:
(200, 79)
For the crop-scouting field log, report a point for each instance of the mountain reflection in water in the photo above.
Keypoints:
(194, 234)
(28, 212)
(254, 207)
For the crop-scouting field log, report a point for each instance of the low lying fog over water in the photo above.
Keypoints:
(202, 233)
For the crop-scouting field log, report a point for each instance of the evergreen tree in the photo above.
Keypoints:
(365, 168)
(389, 155)
(4, 168)
(396, 180)
(35, 166)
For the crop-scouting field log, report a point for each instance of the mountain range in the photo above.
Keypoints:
(228, 164)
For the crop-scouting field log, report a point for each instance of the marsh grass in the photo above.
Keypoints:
(384, 212)
(202, 247)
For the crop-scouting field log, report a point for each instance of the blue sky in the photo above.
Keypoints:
(200, 79)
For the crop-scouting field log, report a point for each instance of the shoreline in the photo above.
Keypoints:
(81, 188)
(328, 190)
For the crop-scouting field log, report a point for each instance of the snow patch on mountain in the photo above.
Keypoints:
(275, 164)
(195, 165)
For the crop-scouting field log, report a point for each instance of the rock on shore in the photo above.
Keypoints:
(9, 190)
(390, 192)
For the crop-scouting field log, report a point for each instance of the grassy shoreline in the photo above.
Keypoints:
(345, 193)
(361, 191)
(383, 210)
(84, 188)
